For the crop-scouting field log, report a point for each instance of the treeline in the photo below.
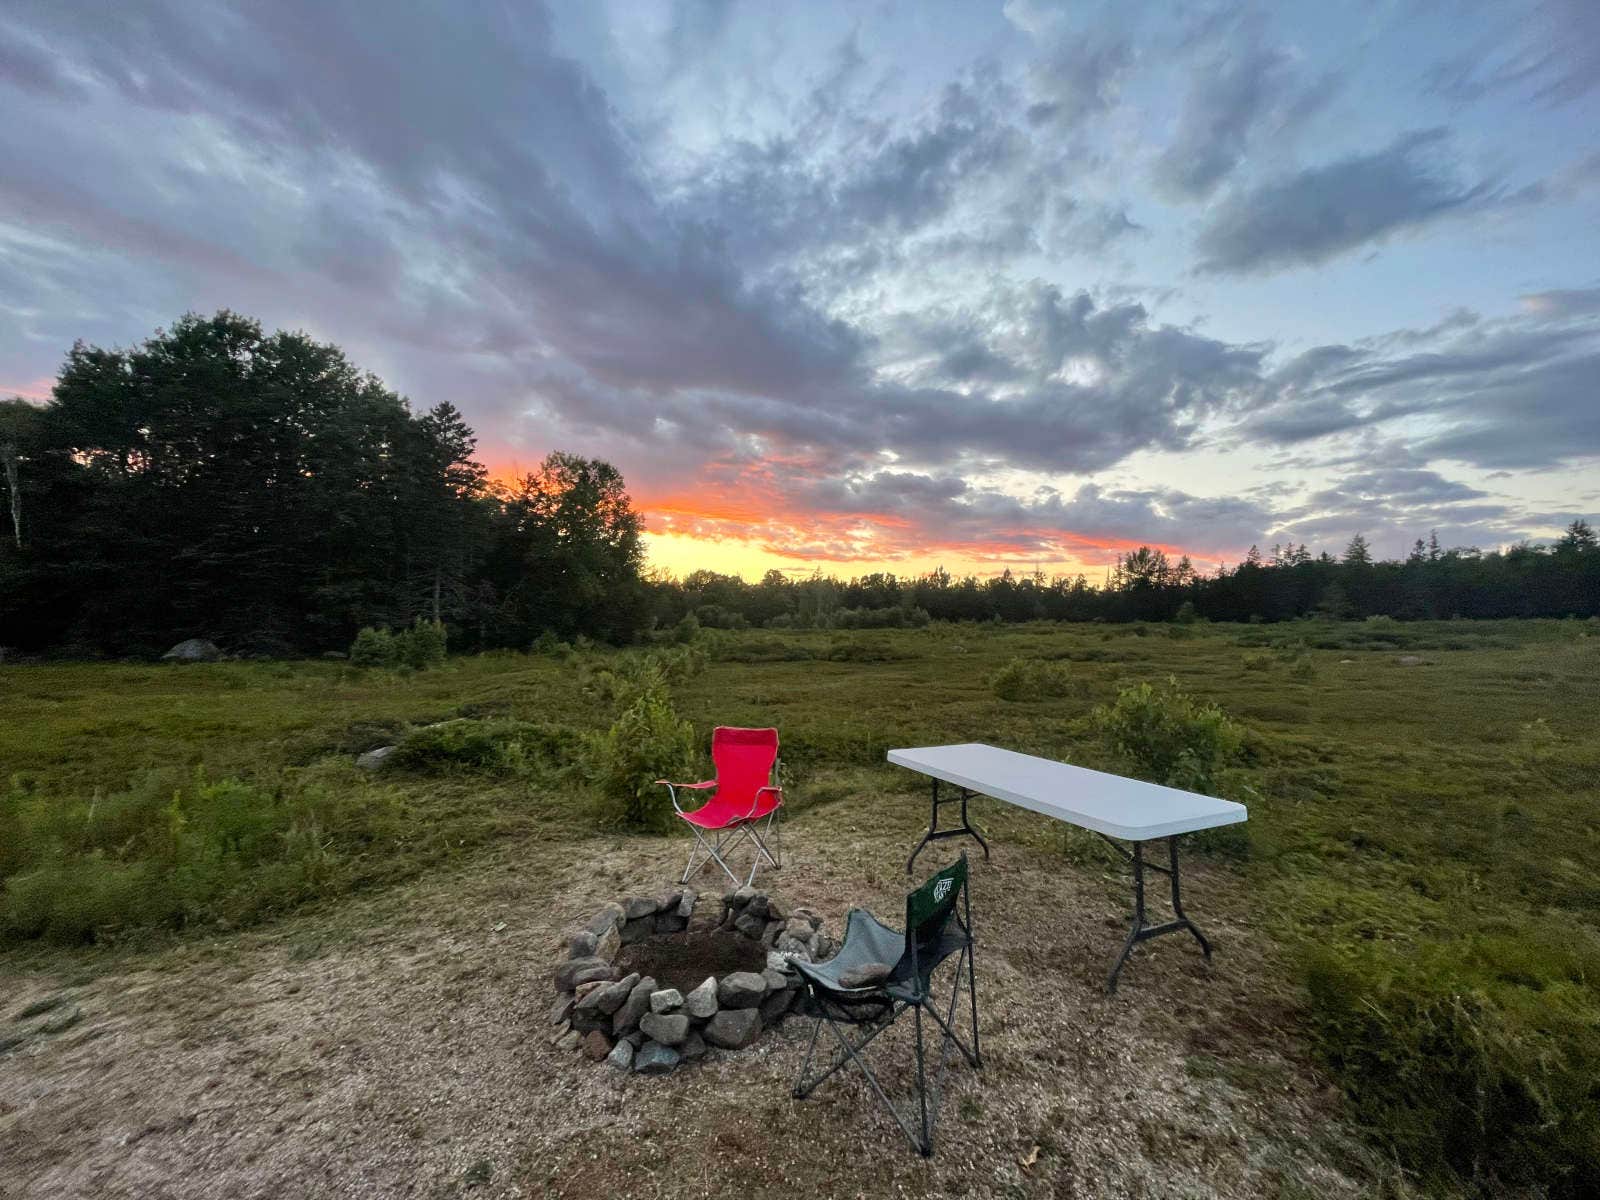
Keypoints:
(1146, 585)
(259, 490)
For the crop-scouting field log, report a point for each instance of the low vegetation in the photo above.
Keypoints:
(1421, 838)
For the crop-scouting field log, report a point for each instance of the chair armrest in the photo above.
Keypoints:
(672, 790)
(755, 801)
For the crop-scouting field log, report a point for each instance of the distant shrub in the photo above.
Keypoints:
(1477, 1057)
(894, 617)
(862, 650)
(647, 742)
(1031, 679)
(762, 648)
(686, 630)
(1186, 614)
(420, 647)
(494, 747)
(551, 646)
(1261, 661)
(1168, 736)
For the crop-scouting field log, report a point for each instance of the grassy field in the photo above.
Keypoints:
(1420, 855)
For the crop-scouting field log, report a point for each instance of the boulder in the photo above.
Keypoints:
(750, 925)
(758, 905)
(582, 970)
(776, 1005)
(610, 942)
(582, 944)
(613, 996)
(655, 1059)
(634, 1007)
(741, 897)
(608, 917)
(794, 948)
(694, 1046)
(769, 935)
(559, 1032)
(741, 989)
(686, 903)
(701, 1004)
(777, 981)
(372, 760)
(667, 1028)
(560, 1010)
(621, 1056)
(776, 909)
(666, 1000)
(635, 907)
(798, 928)
(193, 650)
(733, 1028)
(588, 1022)
(568, 1041)
(667, 902)
(777, 962)
(597, 1045)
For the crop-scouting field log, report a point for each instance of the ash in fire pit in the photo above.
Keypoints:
(646, 986)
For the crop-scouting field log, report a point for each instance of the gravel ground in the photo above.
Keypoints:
(397, 1045)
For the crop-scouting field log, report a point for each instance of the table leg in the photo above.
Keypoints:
(935, 834)
(1142, 932)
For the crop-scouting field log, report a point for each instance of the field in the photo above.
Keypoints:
(285, 968)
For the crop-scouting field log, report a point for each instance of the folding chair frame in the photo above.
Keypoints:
(890, 1008)
(732, 834)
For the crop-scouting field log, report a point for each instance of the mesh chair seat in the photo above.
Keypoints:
(868, 941)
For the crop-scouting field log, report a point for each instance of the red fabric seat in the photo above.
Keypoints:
(744, 791)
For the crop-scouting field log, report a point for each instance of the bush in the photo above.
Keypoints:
(1478, 1057)
(1030, 679)
(373, 648)
(1168, 736)
(853, 650)
(1186, 614)
(501, 747)
(647, 742)
(420, 647)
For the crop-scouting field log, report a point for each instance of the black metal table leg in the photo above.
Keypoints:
(935, 834)
(1142, 932)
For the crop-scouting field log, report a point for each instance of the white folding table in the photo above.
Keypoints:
(1116, 808)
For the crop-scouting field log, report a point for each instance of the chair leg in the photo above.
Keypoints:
(925, 1143)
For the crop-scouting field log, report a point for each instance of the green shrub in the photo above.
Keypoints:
(1186, 614)
(1261, 661)
(502, 747)
(856, 650)
(1031, 679)
(686, 630)
(1478, 1057)
(1168, 736)
(647, 742)
(373, 648)
(418, 648)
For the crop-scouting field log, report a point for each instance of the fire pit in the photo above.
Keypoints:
(649, 984)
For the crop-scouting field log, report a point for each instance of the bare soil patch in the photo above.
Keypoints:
(398, 1045)
(683, 960)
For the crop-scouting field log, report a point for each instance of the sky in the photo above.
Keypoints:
(870, 286)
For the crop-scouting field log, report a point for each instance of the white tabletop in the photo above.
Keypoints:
(1110, 804)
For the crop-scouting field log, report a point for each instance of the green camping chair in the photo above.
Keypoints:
(879, 973)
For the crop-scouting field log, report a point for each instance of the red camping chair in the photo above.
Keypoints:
(746, 794)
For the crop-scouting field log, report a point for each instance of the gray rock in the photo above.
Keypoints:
(583, 944)
(758, 905)
(614, 995)
(686, 904)
(798, 928)
(776, 1005)
(588, 1022)
(777, 962)
(733, 1028)
(621, 1056)
(769, 935)
(811, 917)
(701, 1003)
(742, 896)
(635, 907)
(610, 942)
(667, 902)
(777, 910)
(634, 1007)
(582, 970)
(193, 650)
(638, 929)
(634, 1038)
(666, 1000)
(561, 1010)
(608, 917)
(568, 1041)
(750, 925)
(694, 1046)
(559, 1032)
(670, 923)
(794, 948)
(667, 1028)
(777, 981)
(373, 760)
(654, 1059)
(1411, 660)
(821, 947)
(597, 1045)
(741, 989)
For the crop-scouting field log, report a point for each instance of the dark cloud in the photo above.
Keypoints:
(1322, 212)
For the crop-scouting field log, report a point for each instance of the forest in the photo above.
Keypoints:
(261, 491)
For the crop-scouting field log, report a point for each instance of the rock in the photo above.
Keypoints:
(750, 925)
(741, 897)
(560, 1032)
(635, 907)
(794, 948)
(777, 981)
(568, 1041)
(758, 905)
(777, 962)
(1410, 660)
(866, 975)
(634, 1007)
(193, 650)
(769, 935)
(799, 928)
(776, 1005)
(777, 910)
(582, 970)
(666, 1000)
(733, 1028)
(701, 1003)
(821, 947)
(561, 1010)
(608, 917)
(670, 923)
(621, 1056)
(667, 902)
(583, 989)
(741, 989)
(597, 1045)
(654, 1059)
(694, 1046)
(372, 760)
(612, 996)
(667, 1028)
(609, 944)
(588, 1022)
(638, 929)
(634, 1038)
(582, 945)
(686, 904)
(811, 918)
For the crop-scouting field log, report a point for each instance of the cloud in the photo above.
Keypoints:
(1552, 55)
(1563, 302)
(1322, 212)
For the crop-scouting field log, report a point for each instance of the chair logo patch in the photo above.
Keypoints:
(942, 889)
